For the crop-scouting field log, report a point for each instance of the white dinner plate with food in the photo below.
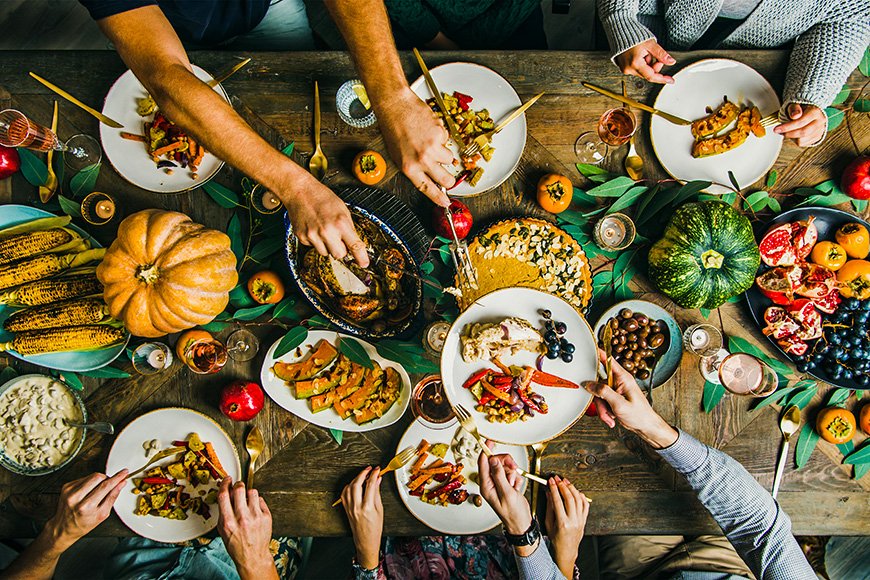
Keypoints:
(446, 517)
(514, 319)
(158, 430)
(491, 91)
(334, 385)
(130, 158)
(701, 85)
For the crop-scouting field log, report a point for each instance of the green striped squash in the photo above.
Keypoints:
(708, 254)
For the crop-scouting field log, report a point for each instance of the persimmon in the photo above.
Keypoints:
(835, 425)
(266, 287)
(555, 192)
(854, 279)
(369, 167)
(864, 418)
(831, 255)
(186, 338)
(855, 240)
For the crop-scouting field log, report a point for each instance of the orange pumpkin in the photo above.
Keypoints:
(555, 192)
(164, 273)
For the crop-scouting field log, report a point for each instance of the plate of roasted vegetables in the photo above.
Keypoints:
(477, 98)
(515, 359)
(52, 312)
(327, 382)
(151, 151)
(380, 301)
(440, 485)
(174, 498)
(726, 101)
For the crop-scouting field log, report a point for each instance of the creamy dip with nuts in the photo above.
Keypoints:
(34, 415)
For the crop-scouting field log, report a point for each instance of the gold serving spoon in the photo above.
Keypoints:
(254, 444)
(318, 164)
(789, 425)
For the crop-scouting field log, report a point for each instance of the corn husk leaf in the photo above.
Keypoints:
(36, 225)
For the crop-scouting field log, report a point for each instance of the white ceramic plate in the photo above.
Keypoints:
(565, 405)
(492, 92)
(282, 394)
(130, 158)
(168, 425)
(701, 85)
(465, 518)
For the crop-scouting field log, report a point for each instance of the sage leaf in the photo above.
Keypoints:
(771, 179)
(69, 207)
(223, 196)
(337, 434)
(355, 351)
(294, 337)
(237, 244)
(82, 183)
(34, 169)
(613, 188)
(713, 393)
(862, 105)
(835, 117)
(862, 455)
(806, 442)
(106, 373)
(252, 313)
(773, 397)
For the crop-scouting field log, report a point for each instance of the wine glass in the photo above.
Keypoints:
(615, 128)
(16, 130)
(242, 345)
(205, 356)
(744, 374)
(430, 405)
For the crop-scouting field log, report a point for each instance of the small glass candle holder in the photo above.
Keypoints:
(98, 208)
(434, 336)
(353, 105)
(88, 149)
(703, 340)
(151, 358)
(264, 201)
(430, 405)
(614, 231)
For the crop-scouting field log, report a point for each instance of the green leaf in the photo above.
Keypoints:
(214, 326)
(704, 312)
(773, 397)
(319, 320)
(223, 196)
(82, 183)
(408, 354)
(654, 202)
(288, 150)
(337, 434)
(286, 309)
(806, 442)
(587, 169)
(252, 313)
(862, 105)
(774, 205)
(7, 374)
(294, 337)
(266, 248)
(237, 244)
(846, 448)
(842, 96)
(427, 267)
(733, 180)
(580, 196)
(713, 393)
(627, 199)
(600, 178)
(355, 351)
(804, 383)
(860, 205)
(802, 398)
(771, 179)
(862, 455)
(613, 188)
(69, 207)
(835, 117)
(829, 200)
(861, 470)
(756, 201)
(34, 169)
(72, 380)
(240, 298)
(839, 396)
(106, 373)
(864, 65)
(729, 197)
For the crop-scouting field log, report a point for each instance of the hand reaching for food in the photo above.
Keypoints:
(807, 127)
(245, 525)
(500, 486)
(361, 499)
(646, 60)
(83, 505)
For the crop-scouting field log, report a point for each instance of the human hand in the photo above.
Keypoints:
(245, 524)
(361, 499)
(807, 127)
(626, 403)
(646, 60)
(83, 505)
(567, 510)
(320, 219)
(415, 139)
(500, 486)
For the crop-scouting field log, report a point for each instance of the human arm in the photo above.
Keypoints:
(361, 499)
(147, 43)
(633, 46)
(83, 505)
(567, 511)
(245, 525)
(751, 519)
(413, 135)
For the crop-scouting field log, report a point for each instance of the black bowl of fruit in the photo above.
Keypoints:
(842, 353)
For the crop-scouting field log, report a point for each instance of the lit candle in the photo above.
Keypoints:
(105, 209)
(436, 335)
(270, 201)
(157, 358)
(614, 232)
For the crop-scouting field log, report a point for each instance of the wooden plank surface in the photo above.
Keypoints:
(303, 469)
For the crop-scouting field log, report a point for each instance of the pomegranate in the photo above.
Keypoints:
(828, 304)
(789, 243)
(780, 283)
(856, 178)
(462, 220)
(242, 400)
(816, 282)
(805, 314)
(779, 324)
(794, 346)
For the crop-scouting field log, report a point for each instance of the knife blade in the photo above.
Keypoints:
(608, 349)
(430, 83)
(637, 104)
(219, 79)
(59, 91)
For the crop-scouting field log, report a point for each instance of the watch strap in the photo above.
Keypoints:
(528, 538)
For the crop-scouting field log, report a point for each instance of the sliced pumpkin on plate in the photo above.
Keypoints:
(319, 357)
(323, 382)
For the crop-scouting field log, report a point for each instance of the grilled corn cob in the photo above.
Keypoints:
(24, 246)
(44, 266)
(70, 313)
(90, 337)
(53, 290)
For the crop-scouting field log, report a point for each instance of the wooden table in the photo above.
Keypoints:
(634, 491)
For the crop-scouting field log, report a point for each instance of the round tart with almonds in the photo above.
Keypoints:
(529, 253)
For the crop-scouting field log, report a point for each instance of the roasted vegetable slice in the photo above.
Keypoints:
(715, 121)
(320, 357)
(730, 140)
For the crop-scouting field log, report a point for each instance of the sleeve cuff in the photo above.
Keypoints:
(624, 31)
(538, 564)
(686, 454)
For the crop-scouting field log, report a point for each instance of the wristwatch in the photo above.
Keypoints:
(532, 535)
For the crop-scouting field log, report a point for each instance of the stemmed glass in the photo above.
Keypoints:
(615, 128)
(706, 341)
(242, 345)
(16, 130)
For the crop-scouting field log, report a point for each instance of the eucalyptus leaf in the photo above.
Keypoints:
(318, 320)
(846, 448)
(427, 267)
(587, 169)
(34, 169)
(237, 244)
(214, 326)
(805, 445)
(804, 383)
(733, 180)
(828, 186)
(70, 207)
(774, 205)
(73, 380)
(600, 178)
(223, 196)
(613, 188)
(801, 398)
(773, 397)
(704, 312)
(573, 217)
(355, 351)
(266, 248)
(739, 344)
(106, 373)
(337, 434)
(628, 198)
(713, 393)
(835, 117)
(860, 205)
(729, 197)
(409, 355)
(82, 183)
(864, 65)
(842, 96)
(862, 455)
(756, 201)
(580, 196)
(252, 313)
(288, 150)
(862, 105)
(828, 200)
(294, 337)
(861, 470)
(771, 179)
(691, 189)
(286, 309)
(655, 202)
(240, 298)
(839, 396)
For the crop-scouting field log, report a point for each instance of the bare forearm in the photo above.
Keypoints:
(38, 560)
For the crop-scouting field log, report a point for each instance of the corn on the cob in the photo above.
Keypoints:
(69, 313)
(44, 266)
(53, 290)
(23, 246)
(90, 337)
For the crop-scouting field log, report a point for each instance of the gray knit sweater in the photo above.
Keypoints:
(830, 36)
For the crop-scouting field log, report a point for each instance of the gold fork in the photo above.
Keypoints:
(485, 139)
(395, 463)
(161, 455)
(469, 425)
(770, 120)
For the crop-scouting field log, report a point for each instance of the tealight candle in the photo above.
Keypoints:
(98, 208)
(270, 201)
(614, 232)
(435, 336)
(264, 201)
(105, 209)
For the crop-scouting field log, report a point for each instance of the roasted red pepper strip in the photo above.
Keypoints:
(446, 488)
(501, 381)
(485, 398)
(158, 481)
(548, 380)
(475, 377)
(462, 97)
(460, 178)
(528, 402)
(498, 393)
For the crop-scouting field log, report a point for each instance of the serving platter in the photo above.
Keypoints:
(465, 518)
(700, 85)
(282, 394)
(566, 406)
(492, 92)
(72, 361)
(168, 425)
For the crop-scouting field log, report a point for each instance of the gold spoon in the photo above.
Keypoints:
(254, 444)
(633, 162)
(789, 425)
(47, 190)
(318, 164)
(539, 449)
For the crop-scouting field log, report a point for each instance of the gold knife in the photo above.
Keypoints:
(451, 126)
(101, 117)
(608, 349)
(637, 104)
(516, 113)
(218, 80)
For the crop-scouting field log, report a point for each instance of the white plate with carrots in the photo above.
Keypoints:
(130, 157)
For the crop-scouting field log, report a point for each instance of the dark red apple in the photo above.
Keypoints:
(242, 400)
(856, 178)
(10, 162)
(462, 220)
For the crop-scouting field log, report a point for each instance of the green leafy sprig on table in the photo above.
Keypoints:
(35, 171)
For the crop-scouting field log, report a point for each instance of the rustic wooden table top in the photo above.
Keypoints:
(303, 468)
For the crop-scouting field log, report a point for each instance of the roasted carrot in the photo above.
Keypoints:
(436, 470)
(418, 481)
(419, 463)
(133, 137)
(215, 462)
(424, 447)
(160, 151)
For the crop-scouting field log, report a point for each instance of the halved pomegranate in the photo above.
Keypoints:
(794, 346)
(804, 313)
(817, 282)
(828, 304)
(779, 283)
(805, 235)
(788, 244)
(779, 324)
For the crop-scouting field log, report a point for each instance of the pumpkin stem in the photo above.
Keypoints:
(147, 274)
(712, 259)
